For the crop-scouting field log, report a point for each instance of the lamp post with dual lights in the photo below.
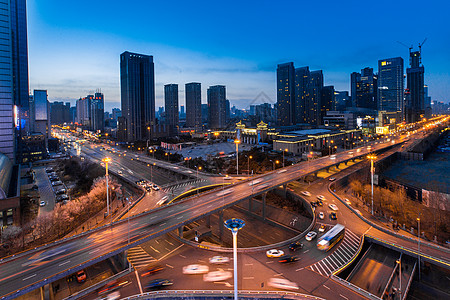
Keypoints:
(237, 142)
(106, 160)
(285, 150)
(372, 158)
(235, 225)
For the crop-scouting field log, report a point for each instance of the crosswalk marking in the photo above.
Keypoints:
(138, 257)
(346, 250)
(176, 186)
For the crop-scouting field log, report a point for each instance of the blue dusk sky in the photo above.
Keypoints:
(74, 46)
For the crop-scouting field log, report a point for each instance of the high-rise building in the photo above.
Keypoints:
(41, 114)
(59, 113)
(14, 98)
(314, 101)
(364, 89)
(171, 107)
(193, 93)
(327, 102)
(116, 113)
(84, 111)
(97, 113)
(217, 107)
(205, 114)
(390, 84)
(302, 81)
(286, 94)
(415, 93)
(137, 84)
(342, 100)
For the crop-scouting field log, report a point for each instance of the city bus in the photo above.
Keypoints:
(331, 238)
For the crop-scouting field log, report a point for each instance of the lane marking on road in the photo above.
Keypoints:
(182, 256)
(269, 262)
(249, 278)
(279, 274)
(156, 241)
(66, 262)
(169, 243)
(305, 251)
(326, 286)
(299, 269)
(167, 248)
(169, 266)
(179, 217)
(162, 224)
(28, 277)
(319, 265)
(93, 251)
(343, 296)
(248, 264)
(164, 256)
(154, 249)
(139, 282)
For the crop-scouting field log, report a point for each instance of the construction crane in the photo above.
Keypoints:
(410, 47)
(421, 44)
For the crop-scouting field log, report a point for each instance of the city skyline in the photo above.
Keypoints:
(222, 53)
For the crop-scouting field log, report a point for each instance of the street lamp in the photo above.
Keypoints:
(418, 243)
(248, 163)
(106, 160)
(236, 141)
(399, 261)
(167, 154)
(274, 162)
(148, 128)
(283, 155)
(372, 158)
(128, 225)
(235, 225)
(198, 168)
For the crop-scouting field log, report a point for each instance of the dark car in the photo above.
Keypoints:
(333, 216)
(287, 259)
(158, 283)
(149, 270)
(319, 202)
(295, 246)
(313, 204)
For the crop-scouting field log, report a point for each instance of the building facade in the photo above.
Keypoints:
(415, 93)
(390, 84)
(364, 86)
(97, 112)
(137, 85)
(171, 108)
(40, 119)
(286, 94)
(217, 107)
(193, 94)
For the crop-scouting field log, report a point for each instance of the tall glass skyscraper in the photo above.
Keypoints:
(286, 94)
(217, 107)
(390, 84)
(415, 98)
(171, 108)
(193, 92)
(137, 84)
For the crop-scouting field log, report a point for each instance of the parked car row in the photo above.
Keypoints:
(57, 185)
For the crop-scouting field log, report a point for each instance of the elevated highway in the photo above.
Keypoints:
(32, 269)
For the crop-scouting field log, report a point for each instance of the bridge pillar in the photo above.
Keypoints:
(208, 221)
(346, 162)
(221, 226)
(180, 231)
(264, 205)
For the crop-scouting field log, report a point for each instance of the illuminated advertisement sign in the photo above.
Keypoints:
(16, 116)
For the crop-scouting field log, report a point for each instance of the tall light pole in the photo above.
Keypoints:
(235, 225)
(285, 150)
(418, 242)
(128, 225)
(399, 261)
(198, 168)
(248, 163)
(372, 158)
(236, 141)
(148, 128)
(106, 160)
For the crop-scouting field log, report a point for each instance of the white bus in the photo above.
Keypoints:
(331, 238)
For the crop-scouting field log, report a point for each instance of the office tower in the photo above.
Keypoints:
(41, 114)
(342, 100)
(302, 81)
(84, 111)
(217, 114)
(137, 84)
(59, 113)
(116, 112)
(193, 94)
(415, 100)
(97, 115)
(390, 84)
(205, 114)
(313, 104)
(327, 102)
(355, 77)
(227, 112)
(364, 87)
(14, 98)
(264, 112)
(286, 94)
(171, 107)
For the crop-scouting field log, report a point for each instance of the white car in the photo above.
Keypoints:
(333, 157)
(281, 283)
(347, 201)
(274, 253)
(306, 193)
(119, 172)
(225, 192)
(281, 171)
(195, 269)
(320, 197)
(321, 215)
(219, 260)
(333, 206)
(332, 178)
(311, 235)
(217, 276)
(253, 182)
(42, 203)
(358, 212)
